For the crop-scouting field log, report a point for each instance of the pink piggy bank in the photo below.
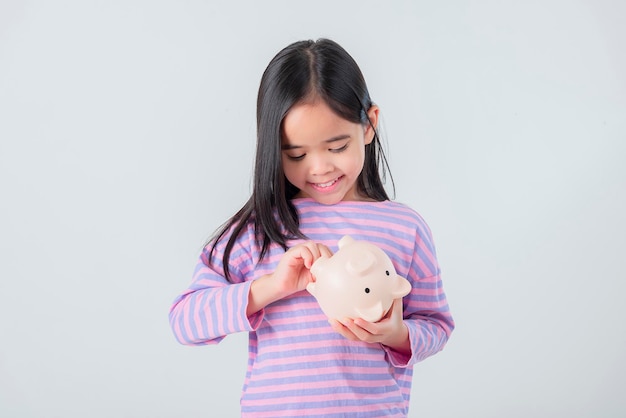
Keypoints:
(358, 281)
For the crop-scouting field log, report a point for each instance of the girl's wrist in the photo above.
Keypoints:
(400, 341)
(260, 294)
(263, 291)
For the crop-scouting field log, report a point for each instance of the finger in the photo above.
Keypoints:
(341, 329)
(336, 325)
(370, 327)
(313, 253)
(324, 251)
(396, 308)
(359, 332)
(303, 253)
(366, 329)
(313, 247)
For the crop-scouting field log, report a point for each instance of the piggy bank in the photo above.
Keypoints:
(358, 281)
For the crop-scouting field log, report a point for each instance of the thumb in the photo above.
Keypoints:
(397, 307)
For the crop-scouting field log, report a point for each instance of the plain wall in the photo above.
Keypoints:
(127, 133)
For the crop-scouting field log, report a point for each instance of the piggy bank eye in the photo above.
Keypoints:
(387, 272)
(367, 290)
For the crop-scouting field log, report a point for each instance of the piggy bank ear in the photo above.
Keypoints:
(362, 263)
(401, 288)
(345, 240)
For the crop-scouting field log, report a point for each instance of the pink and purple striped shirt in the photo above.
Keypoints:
(298, 366)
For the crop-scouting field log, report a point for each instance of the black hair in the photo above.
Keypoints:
(301, 71)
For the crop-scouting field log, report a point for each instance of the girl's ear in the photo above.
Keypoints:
(370, 128)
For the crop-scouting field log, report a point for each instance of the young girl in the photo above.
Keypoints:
(318, 176)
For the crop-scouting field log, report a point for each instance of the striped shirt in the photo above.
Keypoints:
(299, 366)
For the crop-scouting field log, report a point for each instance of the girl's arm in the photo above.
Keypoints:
(428, 321)
(418, 326)
(425, 309)
(213, 307)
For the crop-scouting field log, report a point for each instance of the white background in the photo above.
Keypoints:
(127, 136)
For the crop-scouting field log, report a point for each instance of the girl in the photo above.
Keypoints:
(318, 176)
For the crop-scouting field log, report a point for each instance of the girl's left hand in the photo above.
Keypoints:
(390, 330)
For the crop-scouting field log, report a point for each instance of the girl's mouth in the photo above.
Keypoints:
(326, 186)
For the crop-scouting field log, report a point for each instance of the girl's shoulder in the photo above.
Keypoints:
(244, 231)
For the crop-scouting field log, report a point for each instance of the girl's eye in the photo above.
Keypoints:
(340, 149)
(295, 158)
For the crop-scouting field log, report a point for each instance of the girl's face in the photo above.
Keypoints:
(322, 153)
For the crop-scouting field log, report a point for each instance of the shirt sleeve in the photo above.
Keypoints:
(425, 309)
(213, 307)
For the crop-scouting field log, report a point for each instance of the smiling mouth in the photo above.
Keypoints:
(324, 185)
(327, 184)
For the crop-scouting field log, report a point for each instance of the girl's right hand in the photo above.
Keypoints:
(291, 275)
(293, 271)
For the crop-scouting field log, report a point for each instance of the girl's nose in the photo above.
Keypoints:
(320, 165)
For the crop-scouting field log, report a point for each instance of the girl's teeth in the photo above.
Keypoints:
(330, 183)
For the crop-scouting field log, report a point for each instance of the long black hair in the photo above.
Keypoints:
(303, 70)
